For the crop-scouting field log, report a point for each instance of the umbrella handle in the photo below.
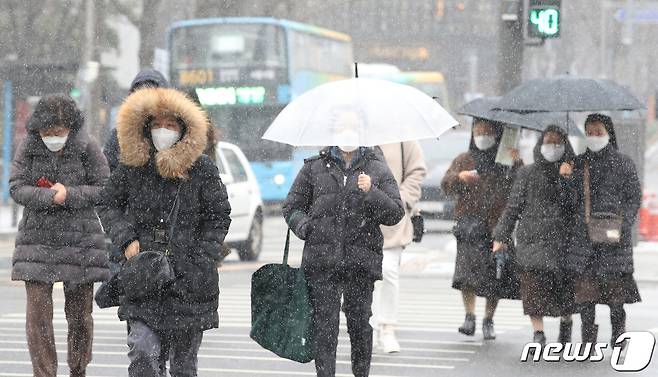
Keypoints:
(286, 250)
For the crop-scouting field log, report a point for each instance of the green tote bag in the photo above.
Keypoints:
(281, 312)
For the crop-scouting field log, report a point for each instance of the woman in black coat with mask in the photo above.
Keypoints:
(166, 196)
(542, 202)
(604, 270)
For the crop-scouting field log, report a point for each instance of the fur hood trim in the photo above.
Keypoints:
(136, 147)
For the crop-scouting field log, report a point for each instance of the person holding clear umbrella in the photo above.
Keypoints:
(481, 187)
(337, 204)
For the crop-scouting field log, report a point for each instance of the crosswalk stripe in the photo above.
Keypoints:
(429, 310)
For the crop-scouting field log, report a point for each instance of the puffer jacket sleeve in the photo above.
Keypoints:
(515, 205)
(23, 191)
(297, 205)
(215, 210)
(97, 172)
(383, 200)
(112, 209)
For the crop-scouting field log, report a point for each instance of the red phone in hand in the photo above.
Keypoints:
(44, 183)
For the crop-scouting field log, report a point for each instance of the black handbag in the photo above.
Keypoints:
(603, 228)
(417, 220)
(149, 272)
(471, 228)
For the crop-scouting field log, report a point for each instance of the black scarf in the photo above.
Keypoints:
(485, 160)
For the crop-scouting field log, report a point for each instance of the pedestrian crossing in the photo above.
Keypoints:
(430, 313)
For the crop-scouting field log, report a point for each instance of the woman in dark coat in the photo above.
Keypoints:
(481, 188)
(57, 175)
(162, 135)
(336, 204)
(604, 273)
(542, 203)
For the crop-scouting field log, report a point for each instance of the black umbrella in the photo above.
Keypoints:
(484, 108)
(569, 94)
(479, 107)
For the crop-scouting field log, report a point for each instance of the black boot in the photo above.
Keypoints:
(590, 333)
(618, 322)
(488, 329)
(468, 328)
(540, 338)
(565, 331)
(617, 330)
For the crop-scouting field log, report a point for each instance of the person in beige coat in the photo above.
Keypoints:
(396, 238)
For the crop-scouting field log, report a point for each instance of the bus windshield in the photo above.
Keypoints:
(228, 45)
(245, 129)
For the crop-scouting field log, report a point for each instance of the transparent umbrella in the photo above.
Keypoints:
(360, 112)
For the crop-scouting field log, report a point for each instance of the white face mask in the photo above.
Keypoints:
(351, 140)
(164, 138)
(552, 152)
(597, 143)
(484, 142)
(347, 148)
(55, 143)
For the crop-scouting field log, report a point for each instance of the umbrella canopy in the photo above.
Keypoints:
(479, 107)
(485, 108)
(359, 112)
(569, 94)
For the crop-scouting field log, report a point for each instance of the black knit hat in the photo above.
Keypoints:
(55, 110)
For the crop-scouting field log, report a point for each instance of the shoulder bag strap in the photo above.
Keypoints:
(286, 249)
(588, 199)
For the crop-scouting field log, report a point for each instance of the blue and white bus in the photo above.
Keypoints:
(245, 71)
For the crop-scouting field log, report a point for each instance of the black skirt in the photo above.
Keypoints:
(475, 271)
(547, 294)
(609, 289)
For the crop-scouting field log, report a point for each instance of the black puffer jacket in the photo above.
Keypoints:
(140, 197)
(339, 222)
(542, 202)
(59, 242)
(615, 188)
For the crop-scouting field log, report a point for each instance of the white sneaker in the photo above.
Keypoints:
(388, 341)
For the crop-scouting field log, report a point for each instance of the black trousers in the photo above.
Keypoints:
(325, 290)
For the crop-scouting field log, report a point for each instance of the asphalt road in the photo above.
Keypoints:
(430, 313)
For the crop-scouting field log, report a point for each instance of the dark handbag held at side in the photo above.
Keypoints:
(417, 221)
(149, 272)
(604, 228)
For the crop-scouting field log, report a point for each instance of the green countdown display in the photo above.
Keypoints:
(544, 19)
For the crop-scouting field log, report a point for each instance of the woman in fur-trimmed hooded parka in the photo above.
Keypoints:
(166, 194)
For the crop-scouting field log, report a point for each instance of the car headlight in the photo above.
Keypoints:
(279, 179)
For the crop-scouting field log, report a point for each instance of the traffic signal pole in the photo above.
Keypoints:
(510, 45)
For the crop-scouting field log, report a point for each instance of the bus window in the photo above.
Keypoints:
(228, 46)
